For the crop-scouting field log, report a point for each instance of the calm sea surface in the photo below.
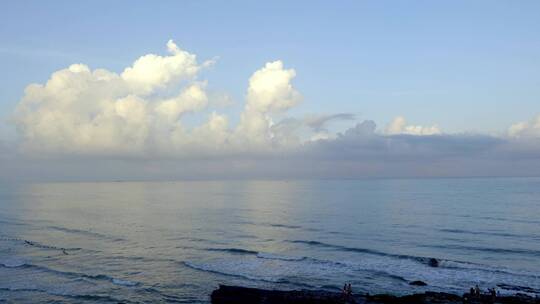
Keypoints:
(139, 242)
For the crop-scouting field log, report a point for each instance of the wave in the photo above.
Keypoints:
(261, 255)
(13, 262)
(284, 226)
(273, 256)
(44, 246)
(500, 219)
(343, 248)
(213, 269)
(479, 267)
(196, 240)
(429, 261)
(533, 253)
(10, 239)
(276, 225)
(501, 234)
(443, 263)
(19, 263)
(425, 260)
(302, 272)
(517, 288)
(124, 282)
(12, 223)
(383, 272)
(233, 250)
(235, 270)
(86, 297)
(138, 258)
(86, 233)
(36, 244)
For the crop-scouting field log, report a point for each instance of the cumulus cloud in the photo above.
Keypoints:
(365, 141)
(270, 92)
(529, 128)
(399, 126)
(140, 111)
(79, 110)
(151, 72)
(192, 99)
(139, 124)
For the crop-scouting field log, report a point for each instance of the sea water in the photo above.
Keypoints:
(136, 242)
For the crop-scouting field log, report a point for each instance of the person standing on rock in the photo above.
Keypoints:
(493, 294)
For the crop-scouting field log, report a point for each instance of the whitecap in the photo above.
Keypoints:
(124, 282)
(274, 256)
(13, 262)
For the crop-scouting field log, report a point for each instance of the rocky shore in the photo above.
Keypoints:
(243, 295)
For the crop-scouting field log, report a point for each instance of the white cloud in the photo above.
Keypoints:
(270, 92)
(399, 126)
(529, 128)
(270, 89)
(151, 72)
(149, 112)
(192, 99)
(140, 112)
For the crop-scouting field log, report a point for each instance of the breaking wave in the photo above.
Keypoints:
(445, 275)
(20, 263)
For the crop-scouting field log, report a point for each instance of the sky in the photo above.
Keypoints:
(238, 89)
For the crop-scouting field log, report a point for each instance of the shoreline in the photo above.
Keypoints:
(227, 294)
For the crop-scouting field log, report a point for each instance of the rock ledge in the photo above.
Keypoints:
(243, 295)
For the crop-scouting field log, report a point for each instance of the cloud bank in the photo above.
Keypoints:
(139, 112)
(530, 129)
(399, 126)
(135, 124)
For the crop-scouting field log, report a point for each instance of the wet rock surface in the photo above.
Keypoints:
(243, 295)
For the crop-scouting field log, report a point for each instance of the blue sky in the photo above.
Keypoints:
(464, 65)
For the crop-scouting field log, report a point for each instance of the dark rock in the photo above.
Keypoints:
(243, 295)
(417, 298)
(433, 262)
(418, 283)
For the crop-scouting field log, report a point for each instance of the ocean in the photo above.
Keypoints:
(147, 242)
